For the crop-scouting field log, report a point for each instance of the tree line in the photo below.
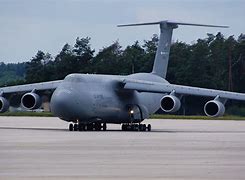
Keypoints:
(207, 63)
(11, 73)
(212, 62)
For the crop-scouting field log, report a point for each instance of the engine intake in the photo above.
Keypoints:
(31, 101)
(214, 108)
(170, 104)
(4, 105)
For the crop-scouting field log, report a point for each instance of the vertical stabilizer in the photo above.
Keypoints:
(162, 55)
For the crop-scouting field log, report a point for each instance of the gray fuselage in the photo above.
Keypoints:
(90, 98)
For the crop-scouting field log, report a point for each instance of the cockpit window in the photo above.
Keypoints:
(71, 78)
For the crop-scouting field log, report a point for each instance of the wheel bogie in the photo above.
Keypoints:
(103, 126)
(135, 127)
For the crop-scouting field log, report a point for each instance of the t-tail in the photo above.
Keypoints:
(162, 55)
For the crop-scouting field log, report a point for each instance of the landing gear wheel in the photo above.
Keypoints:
(141, 127)
(70, 127)
(128, 127)
(132, 127)
(90, 127)
(98, 126)
(123, 127)
(136, 127)
(81, 127)
(149, 127)
(75, 127)
(104, 127)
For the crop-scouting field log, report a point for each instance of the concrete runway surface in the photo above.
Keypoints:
(43, 148)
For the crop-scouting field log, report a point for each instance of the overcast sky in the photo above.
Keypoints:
(27, 26)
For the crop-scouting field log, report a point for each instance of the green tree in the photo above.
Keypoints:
(150, 48)
(219, 60)
(132, 58)
(37, 70)
(65, 63)
(75, 59)
(107, 60)
(178, 61)
(84, 54)
(238, 66)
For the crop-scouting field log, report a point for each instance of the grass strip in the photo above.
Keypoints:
(37, 114)
(154, 116)
(226, 117)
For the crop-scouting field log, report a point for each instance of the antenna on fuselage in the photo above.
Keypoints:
(166, 30)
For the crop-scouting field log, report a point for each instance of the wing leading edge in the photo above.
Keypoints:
(155, 87)
(29, 87)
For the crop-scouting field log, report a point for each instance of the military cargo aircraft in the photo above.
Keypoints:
(90, 101)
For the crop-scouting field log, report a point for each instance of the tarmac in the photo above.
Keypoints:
(43, 148)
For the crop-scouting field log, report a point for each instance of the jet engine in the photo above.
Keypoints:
(4, 105)
(214, 108)
(31, 101)
(170, 103)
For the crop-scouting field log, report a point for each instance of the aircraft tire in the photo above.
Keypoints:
(90, 127)
(136, 127)
(84, 127)
(98, 126)
(149, 127)
(75, 128)
(104, 127)
(81, 127)
(141, 128)
(123, 127)
(70, 127)
(133, 127)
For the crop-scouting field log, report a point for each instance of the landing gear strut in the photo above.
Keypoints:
(87, 127)
(136, 127)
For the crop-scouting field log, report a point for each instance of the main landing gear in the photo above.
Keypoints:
(136, 127)
(103, 126)
(87, 127)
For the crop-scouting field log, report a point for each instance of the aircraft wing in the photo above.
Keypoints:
(155, 87)
(29, 87)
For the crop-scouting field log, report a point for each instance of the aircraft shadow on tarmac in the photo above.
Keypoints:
(118, 130)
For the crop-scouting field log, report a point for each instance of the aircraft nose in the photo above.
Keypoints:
(63, 104)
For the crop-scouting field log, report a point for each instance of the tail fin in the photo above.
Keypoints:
(162, 55)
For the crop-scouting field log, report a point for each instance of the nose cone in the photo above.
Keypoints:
(64, 104)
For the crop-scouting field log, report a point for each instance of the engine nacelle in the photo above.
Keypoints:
(214, 108)
(170, 103)
(4, 105)
(31, 101)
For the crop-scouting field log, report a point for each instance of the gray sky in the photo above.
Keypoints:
(27, 26)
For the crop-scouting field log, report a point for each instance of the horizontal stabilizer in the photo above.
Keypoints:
(171, 23)
(162, 55)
